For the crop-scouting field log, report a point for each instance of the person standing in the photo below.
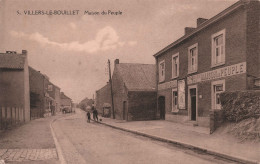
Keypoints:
(88, 116)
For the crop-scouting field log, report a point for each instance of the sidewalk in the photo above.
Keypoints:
(191, 137)
(30, 143)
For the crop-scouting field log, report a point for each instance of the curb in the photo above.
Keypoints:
(188, 146)
(58, 147)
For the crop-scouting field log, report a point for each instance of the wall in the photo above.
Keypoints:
(12, 88)
(253, 38)
(119, 93)
(26, 90)
(235, 25)
(141, 105)
(36, 80)
(103, 95)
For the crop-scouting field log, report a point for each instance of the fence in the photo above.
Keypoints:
(11, 116)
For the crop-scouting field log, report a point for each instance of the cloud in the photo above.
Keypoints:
(106, 39)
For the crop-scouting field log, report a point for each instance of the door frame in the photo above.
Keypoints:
(189, 101)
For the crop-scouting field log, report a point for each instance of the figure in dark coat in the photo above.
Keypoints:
(88, 115)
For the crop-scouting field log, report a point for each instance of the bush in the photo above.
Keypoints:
(240, 105)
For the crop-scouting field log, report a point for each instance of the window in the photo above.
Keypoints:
(161, 71)
(174, 100)
(217, 88)
(175, 65)
(193, 58)
(218, 48)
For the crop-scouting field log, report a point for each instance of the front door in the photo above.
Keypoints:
(124, 110)
(161, 106)
(193, 103)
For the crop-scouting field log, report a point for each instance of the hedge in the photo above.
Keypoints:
(240, 105)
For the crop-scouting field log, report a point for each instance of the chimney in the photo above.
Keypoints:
(200, 21)
(116, 61)
(24, 52)
(188, 30)
(11, 52)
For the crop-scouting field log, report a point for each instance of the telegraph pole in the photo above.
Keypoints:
(110, 81)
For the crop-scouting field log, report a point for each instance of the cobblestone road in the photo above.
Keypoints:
(27, 154)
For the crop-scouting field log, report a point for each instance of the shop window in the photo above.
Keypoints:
(162, 71)
(175, 65)
(193, 58)
(218, 48)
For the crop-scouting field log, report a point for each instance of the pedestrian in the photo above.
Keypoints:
(88, 115)
(96, 114)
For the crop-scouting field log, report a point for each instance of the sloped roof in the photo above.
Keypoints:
(12, 61)
(63, 96)
(138, 77)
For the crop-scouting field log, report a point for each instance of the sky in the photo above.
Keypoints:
(73, 50)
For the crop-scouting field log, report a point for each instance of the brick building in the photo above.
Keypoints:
(220, 54)
(103, 98)
(14, 88)
(65, 101)
(44, 95)
(134, 91)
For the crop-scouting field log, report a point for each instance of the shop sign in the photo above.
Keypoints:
(235, 69)
(181, 94)
(167, 85)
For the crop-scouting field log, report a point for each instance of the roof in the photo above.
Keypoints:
(12, 61)
(138, 77)
(204, 25)
(63, 96)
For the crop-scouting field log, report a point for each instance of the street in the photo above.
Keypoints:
(83, 142)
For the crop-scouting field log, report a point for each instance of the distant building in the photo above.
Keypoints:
(134, 91)
(14, 88)
(103, 99)
(220, 54)
(44, 96)
(65, 101)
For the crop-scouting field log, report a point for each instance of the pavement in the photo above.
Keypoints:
(30, 143)
(197, 138)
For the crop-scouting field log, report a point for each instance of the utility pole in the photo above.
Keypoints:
(110, 81)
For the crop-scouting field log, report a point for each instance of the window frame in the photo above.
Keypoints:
(213, 48)
(159, 71)
(213, 93)
(196, 58)
(175, 98)
(178, 65)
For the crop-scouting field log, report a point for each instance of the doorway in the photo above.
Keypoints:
(161, 106)
(193, 103)
(124, 110)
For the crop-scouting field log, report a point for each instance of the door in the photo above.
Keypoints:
(193, 105)
(124, 110)
(161, 106)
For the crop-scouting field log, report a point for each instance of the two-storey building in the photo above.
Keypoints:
(220, 54)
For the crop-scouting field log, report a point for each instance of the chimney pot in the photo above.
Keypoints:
(24, 52)
(116, 61)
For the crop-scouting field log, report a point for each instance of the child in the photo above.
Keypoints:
(88, 115)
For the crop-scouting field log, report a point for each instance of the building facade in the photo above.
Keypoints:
(65, 101)
(134, 92)
(104, 99)
(220, 54)
(44, 95)
(14, 88)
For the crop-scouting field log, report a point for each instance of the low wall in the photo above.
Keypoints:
(11, 116)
